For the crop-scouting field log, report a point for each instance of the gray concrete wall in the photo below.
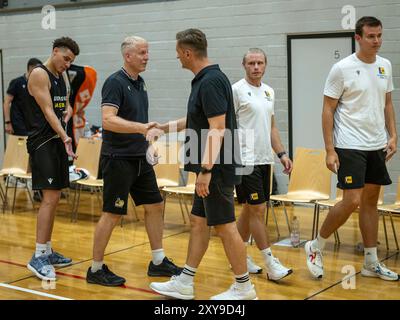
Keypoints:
(231, 26)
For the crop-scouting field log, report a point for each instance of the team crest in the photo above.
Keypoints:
(267, 95)
(348, 179)
(381, 70)
(254, 196)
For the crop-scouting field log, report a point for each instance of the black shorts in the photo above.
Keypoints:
(360, 167)
(122, 177)
(255, 187)
(218, 207)
(49, 165)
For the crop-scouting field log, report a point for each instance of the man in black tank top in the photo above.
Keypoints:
(49, 147)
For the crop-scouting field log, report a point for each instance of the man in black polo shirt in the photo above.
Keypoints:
(210, 126)
(15, 102)
(124, 165)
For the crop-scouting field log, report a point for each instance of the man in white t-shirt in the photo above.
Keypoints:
(259, 137)
(360, 137)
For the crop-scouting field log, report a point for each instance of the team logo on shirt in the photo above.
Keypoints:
(348, 179)
(119, 203)
(267, 95)
(144, 87)
(249, 93)
(358, 72)
(129, 88)
(381, 73)
(23, 86)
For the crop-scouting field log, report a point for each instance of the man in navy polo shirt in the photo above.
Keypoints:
(210, 126)
(124, 166)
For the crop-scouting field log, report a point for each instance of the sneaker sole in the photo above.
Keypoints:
(59, 265)
(175, 295)
(257, 272)
(37, 274)
(277, 279)
(162, 274)
(104, 284)
(371, 274)
(306, 249)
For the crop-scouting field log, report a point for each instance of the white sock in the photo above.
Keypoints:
(96, 265)
(48, 247)
(243, 281)
(267, 254)
(318, 243)
(187, 275)
(158, 256)
(41, 249)
(370, 256)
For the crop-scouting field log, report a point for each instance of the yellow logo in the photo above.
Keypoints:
(119, 203)
(348, 179)
(381, 70)
(254, 196)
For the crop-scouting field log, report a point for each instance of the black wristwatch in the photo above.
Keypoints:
(281, 154)
(205, 170)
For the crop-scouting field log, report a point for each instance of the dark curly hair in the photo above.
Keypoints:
(66, 42)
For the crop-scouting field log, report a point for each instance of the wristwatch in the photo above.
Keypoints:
(281, 154)
(7, 122)
(205, 170)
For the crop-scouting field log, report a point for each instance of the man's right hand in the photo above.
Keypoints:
(9, 129)
(332, 161)
(68, 148)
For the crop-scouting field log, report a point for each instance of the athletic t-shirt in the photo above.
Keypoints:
(18, 89)
(254, 108)
(40, 130)
(211, 96)
(129, 96)
(359, 120)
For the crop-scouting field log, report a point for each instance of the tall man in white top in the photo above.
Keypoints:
(254, 108)
(360, 137)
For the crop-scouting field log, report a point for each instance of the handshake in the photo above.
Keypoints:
(153, 130)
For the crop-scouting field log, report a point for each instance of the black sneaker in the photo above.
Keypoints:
(165, 269)
(104, 277)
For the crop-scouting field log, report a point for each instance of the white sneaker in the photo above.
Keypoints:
(234, 293)
(314, 261)
(276, 271)
(252, 267)
(379, 270)
(174, 288)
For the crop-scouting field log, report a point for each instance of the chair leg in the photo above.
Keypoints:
(287, 218)
(186, 207)
(317, 222)
(74, 203)
(29, 194)
(394, 231)
(181, 205)
(6, 194)
(274, 216)
(337, 238)
(384, 229)
(15, 194)
(316, 212)
(77, 204)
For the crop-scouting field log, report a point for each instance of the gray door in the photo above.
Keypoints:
(311, 58)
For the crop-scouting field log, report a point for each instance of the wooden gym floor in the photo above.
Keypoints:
(128, 255)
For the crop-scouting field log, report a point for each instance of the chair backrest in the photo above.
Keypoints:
(397, 202)
(167, 174)
(170, 151)
(310, 174)
(16, 157)
(191, 179)
(88, 152)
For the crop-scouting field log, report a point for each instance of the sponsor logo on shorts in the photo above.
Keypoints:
(119, 203)
(254, 196)
(50, 180)
(348, 179)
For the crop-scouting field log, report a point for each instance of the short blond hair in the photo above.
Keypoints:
(130, 42)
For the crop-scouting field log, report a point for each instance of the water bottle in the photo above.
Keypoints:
(295, 232)
(86, 131)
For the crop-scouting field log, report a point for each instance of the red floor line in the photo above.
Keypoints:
(81, 278)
